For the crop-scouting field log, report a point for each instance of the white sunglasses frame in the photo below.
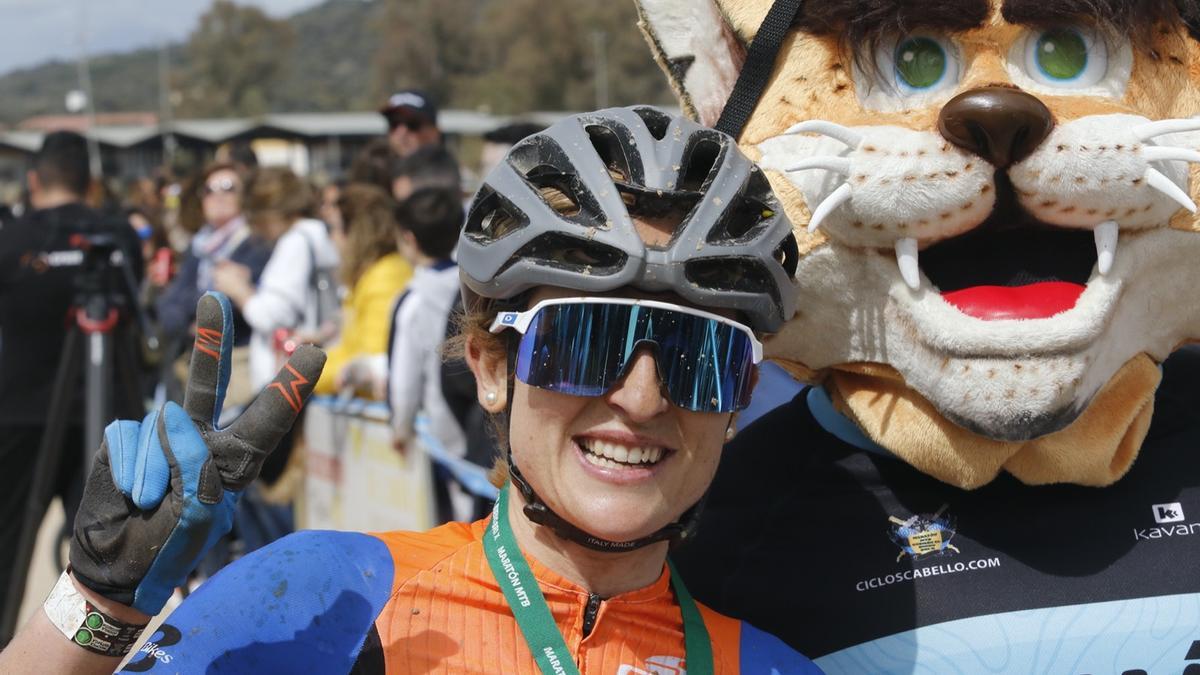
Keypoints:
(520, 321)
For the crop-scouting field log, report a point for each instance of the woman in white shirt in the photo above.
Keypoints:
(279, 205)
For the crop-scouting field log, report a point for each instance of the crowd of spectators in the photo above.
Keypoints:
(362, 265)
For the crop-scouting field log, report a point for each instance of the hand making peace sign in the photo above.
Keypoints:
(163, 491)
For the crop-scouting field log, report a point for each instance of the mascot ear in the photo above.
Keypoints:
(697, 48)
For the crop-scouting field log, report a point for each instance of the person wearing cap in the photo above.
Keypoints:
(412, 119)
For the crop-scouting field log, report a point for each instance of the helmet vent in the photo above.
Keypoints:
(742, 220)
(563, 251)
(609, 149)
(657, 122)
(698, 163)
(731, 275)
(788, 255)
(559, 191)
(491, 218)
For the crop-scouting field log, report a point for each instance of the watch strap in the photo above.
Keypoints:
(86, 625)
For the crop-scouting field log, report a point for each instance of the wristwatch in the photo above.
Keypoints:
(85, 625)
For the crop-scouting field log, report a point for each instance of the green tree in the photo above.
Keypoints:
(428, 44)
(236, 58)
(544, 56)
(512, 56)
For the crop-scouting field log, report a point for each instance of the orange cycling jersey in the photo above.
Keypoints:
(404, 602)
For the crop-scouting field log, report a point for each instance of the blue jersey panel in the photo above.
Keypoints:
(765, 654)
(1144, 635)
(304, 604)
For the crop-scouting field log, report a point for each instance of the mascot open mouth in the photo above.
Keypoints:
(1012, 266)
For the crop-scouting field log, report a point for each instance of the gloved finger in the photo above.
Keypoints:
(121, 442)
(209, 374)
(151, 473)
(272, 413)
(193, 474)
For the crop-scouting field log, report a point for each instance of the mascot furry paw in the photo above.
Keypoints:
(996, 204)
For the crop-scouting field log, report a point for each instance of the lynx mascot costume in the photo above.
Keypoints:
(998, 469)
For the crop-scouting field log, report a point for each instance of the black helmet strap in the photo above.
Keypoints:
(760, 63)
(537, 511)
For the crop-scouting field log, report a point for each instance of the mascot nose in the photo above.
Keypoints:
(1000, 124)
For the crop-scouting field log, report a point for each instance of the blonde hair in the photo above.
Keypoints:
(369, 223)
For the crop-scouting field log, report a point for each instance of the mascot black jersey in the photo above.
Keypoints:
(885, 567)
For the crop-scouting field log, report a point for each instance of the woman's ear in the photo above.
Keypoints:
(491, 375)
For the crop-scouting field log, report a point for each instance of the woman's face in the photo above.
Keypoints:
(564, 446)
(221, 197)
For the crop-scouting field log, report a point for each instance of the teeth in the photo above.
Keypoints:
(1155, 153)
(835, 164)
(835, 131)
(1106, 245)
(840, 196)
(614, 455)
(602, 462)
(906, 257)
(1159, 181)
(1163, 127)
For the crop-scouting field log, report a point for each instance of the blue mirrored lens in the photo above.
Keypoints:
(583, 349)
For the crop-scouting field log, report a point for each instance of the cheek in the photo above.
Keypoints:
(540, 422)
(704, 434)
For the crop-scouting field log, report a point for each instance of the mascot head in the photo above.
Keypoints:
(995, 200)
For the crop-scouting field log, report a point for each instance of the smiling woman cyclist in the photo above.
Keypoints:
(617, 270)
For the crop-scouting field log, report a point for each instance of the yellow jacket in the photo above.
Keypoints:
(366, 316)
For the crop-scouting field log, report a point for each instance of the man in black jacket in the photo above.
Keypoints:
(38, 271)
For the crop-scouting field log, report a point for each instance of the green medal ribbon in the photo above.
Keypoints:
(533, 615)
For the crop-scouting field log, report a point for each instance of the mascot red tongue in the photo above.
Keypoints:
(890, 128)
(1035, 301)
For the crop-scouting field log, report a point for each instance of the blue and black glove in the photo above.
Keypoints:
(163, 491)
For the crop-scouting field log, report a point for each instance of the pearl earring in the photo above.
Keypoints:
(730, 432)
(490, 397)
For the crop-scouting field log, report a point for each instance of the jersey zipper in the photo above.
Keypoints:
(590, 611)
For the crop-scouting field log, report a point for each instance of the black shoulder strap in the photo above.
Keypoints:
(760, 63)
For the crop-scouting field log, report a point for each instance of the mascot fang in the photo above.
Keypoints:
(995, 201)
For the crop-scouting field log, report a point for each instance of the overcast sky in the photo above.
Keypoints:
(33, 31)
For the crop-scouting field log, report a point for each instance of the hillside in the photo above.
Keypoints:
(505, 56)
(328, 68)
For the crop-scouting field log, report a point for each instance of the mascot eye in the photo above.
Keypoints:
(1062, 55)
(907, 72)
(922, 64)
(1071, 59)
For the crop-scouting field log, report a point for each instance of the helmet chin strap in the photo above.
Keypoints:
(537, 511)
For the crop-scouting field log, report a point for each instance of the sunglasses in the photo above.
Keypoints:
(410, 123)
(219, 186)
(583, 346)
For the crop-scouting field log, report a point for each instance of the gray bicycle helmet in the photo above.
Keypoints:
(733, 247)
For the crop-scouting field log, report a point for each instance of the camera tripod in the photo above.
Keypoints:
(100, 342)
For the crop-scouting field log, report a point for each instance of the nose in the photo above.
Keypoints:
(639, 394)
(1000, 124)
